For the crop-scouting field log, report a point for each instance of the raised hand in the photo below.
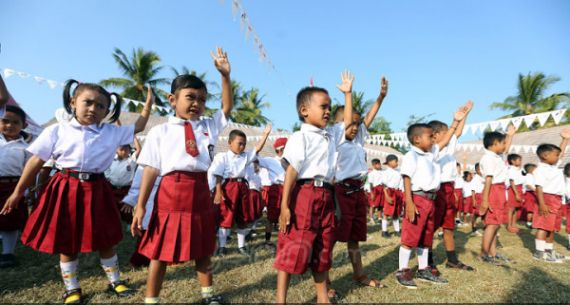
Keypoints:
(460, 114)
(511, 130)
(221, 61)
(565, 134)
(468, 106)
(267, 129)
(150, 98)
(346, 78)
(383, 87)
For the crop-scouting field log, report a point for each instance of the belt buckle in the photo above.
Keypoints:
(318, 183)
(83, 176)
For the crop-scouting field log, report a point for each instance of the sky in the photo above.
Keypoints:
(436, 54)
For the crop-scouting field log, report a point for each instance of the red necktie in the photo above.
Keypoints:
(191, 147)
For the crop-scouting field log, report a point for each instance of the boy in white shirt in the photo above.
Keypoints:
(391, 179)
(515, 191)
(376, 191)
(530, 201)
(458, 189)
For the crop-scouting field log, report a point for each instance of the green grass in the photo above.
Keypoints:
(37, 277)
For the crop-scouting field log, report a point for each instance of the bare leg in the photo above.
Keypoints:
(156, 271)
(489, 238)
(355, 258)
(204, 271)
(321, 287)
(283, 279)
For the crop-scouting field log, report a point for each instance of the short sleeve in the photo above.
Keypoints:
(219, 121)
(217, 166)
(362, 134)
(251, 156)
(539, 177)
(409, 165)
(337, 133)
(512, 173)
(487, 167)
(294, 151)
(271, 165)
(133, 194)
(124, 134)
(150, 153)
(44, 145)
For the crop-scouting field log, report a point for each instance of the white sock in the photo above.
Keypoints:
(69, 274)
(539, 244)
(384, 225)
(207, 292)
(222, 237)
(148, 300)
(111, 268)
(241, 233)
(568, 238)
(9, 240)
(404, 259)
(422, 258)
(396, 223)
(548, 246)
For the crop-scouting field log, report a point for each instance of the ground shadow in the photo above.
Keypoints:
(537, 286)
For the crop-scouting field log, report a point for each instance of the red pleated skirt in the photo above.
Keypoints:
(15, 220)
(182, 226)
(74, 216)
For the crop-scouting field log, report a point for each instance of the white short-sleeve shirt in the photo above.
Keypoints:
(311, 151)
(459, 182)
(13, 156)
(351, 161)
(515, 174)
(82, 148)
(494, 165)
(165, 149)
(478, 184)
(391, 178)
(375, 177)
(231, 165)
(121, 172)
(422, 169)
(271, 170)
(132, 196)
(529, 182)
(550, 178)
(447, 162)
(467, 188)
(253, 179)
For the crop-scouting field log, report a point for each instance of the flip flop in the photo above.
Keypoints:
(364, 281)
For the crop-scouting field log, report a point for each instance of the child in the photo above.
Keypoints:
(530, 202)
(183, 222)
(458, 190)
(76, 211)
(494, 199)
(468, 195)
(376, 192)
(550, 187)
(421, 176)
(351, 168)
(567, 199)
(256, 203)
(391, 179)
(13, 157)
(477, 185)
(445, 207)
(307, 219)
(515, 192)
(235, 206)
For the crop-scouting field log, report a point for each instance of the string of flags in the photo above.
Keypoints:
(477, 147)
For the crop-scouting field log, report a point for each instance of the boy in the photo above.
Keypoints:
(494, 199)
(550, 187)
(391, 179)
(233, 195)
(458, 185)
(515, 192)
(306, 222)
(477, 185)
(445, 207)
(376, 191)
(421, 177)
(530, 201)
(468, 195)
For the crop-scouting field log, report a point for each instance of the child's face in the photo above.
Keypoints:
(91, 107)
(393, 163)
(123, 152)
(531, 169)
(499, 147)
(517, 162)
(352, 129)
(550, 157)
(279, 152)
(438, 135)
(237, 145)
(377, 166)
(425, 140)
(469, 177)
(11, 125)
(317, 111)
(478, 170)
(188, 103)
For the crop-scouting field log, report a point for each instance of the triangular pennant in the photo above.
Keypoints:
(52, 83)
(382, 137)
(481, 127)
(504, 123)
(516, 122)
(529, 119)
(557, 115)
(8, 72)
(543, 117)
(23, 74)
(39, 79)
(493, 125)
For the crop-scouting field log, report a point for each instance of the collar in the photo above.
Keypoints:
(20, 139)
(178, 121)
(492, 153)
(543, 164)
(419, 151)
(312, 128)
(231, 154)
(94, 127)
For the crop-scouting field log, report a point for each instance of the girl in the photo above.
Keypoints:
(183, 222)
(76, 211)
(13, 157)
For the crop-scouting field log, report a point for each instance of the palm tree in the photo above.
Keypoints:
(249, 110)
(140, 69)
(359, 104)
(531, 97)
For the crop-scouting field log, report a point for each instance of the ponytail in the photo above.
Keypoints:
(67, 95)
(116, 113)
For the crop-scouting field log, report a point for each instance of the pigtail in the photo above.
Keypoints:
(117, 108)
(67, 95)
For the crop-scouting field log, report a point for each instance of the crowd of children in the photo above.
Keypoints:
(182, 202)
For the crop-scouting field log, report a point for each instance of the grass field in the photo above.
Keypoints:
(37, 278)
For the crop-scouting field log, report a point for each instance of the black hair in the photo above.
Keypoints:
(466, 174)
(528, 167)
(477, 165)
(127, 146)
(184, 81)
(567, 171)
(513, 157)
(304, 97)
(375, 161)
(236, 133)
(544, 148)
(17, 111)
(68, 95)
(457, 164)
(492, 137)
(416, 130)
(341, 108)
(437, 126)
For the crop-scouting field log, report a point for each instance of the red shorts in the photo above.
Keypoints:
(353, 210)
(468, 205)
(548, 222)
(236, 206)
(309, 240)
(511, 201)
(74, 216)
(378, 192)
(182, 225)
(475, 205)
(444, 214)
(15, 220)
(256, 203)
(530, 201)
(459, 200)
(420, 232)
(274, 194)
(392, 210)
(497, 205)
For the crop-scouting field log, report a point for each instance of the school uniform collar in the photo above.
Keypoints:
(93, 127)
(312, 128)
(231, 154)
(20, 139)
(419, 151)
(178, 121)
(544, 164)
(492, 153)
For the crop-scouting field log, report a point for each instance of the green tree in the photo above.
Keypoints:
(249, 109)
(140, 69)
(380, 125)
(359, 104)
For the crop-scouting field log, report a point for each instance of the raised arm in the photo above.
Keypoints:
(457, 118)
(511, 130)
(565, 135)
(468, 106)
(3, 92)
(223, 65)
(346, 88)
(369, 118)
(261, 143)
(145, 113)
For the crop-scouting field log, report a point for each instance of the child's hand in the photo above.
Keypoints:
(284, 219)
(221, 61)
(511, 130)
(218, 197)
(149, 96)
(389, 200)
(127, 209)
(136, 226)
(346, 82)
(565, 134)
(543, 210)
(484, 208)
(11, 204)
(411, 211)
(383, 87)
(460, 114)
(267, 129)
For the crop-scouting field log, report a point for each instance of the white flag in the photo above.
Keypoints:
(557, 115)
(529, 119)
(543, 117)
(8, 72)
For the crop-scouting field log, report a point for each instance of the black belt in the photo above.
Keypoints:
(428, 195)
(235, 180)
(83, 176)
(352, 185)
(316, 183)
(10, 179)
(121, 187)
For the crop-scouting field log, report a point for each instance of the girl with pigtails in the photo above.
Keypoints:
(76, 211)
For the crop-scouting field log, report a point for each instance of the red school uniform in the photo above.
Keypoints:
(551, 179)
(493, 165)
(13, 157)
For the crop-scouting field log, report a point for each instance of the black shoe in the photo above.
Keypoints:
(459, 265)
(398, 234)
(490, 260)
(405, 278)
(221, 252)
(8, 261)
(430, 275)
(249, 236)
(72, 296)
(385, 234)
(243, 252)
(213, 300)
(120, 289)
